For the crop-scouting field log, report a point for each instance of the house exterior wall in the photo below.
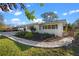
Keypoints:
(37, 28)
(58, 31)
(27, 29)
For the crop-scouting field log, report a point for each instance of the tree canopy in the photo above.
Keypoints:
(11, 6)
(49, 14)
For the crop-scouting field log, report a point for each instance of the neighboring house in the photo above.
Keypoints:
(56, 27)
(20, 28)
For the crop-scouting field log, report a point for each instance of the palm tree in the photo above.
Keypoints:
(11, 6)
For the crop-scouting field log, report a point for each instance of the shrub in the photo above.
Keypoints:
(46, 35)
(29, 35)
(77, 36)
(2, 30)
(20, 34)
(34, 35)
(1, 36)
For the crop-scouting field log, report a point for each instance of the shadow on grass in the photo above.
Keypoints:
(22, 46)
(2, 37)
(75, 47)
(63, 51)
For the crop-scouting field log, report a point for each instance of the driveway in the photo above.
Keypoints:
(59, 43)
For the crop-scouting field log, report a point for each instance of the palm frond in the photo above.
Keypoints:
(41, 4)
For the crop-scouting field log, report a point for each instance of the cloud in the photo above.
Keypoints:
(37, 21)
(17, 13)
(55, 12)
(71, 12)
(64, 14)
(23, 23)
(16, 21)
(28, 5)
(5, 20)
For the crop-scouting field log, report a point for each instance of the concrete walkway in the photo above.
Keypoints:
(59, 43)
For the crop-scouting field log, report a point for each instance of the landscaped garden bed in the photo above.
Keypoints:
(36, 36)
(9, 47)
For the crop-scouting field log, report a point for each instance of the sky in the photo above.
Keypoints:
(68, 11)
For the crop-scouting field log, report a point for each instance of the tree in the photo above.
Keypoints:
(76, 24)
(41, 4)
(49, 16)
(11, 6)
(1, 19)
(70, 27)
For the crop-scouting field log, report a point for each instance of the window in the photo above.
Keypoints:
(54, 26)
(49, 26)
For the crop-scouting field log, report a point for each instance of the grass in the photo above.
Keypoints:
(12, 48)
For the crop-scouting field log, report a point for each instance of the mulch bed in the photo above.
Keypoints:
(39, 38)
(42, 37)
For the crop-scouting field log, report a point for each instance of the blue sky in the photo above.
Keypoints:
(68, 11)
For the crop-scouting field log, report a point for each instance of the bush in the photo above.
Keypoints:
(1, 36)
(29, 35)
(77, 36)
(46, 35)
(20, 34)
(2, 30)
(34, 35)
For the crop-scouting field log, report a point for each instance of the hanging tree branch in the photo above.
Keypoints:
(11, 6)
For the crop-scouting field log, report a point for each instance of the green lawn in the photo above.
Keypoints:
(9, 47)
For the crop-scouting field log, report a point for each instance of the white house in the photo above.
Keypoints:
(56, 27)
